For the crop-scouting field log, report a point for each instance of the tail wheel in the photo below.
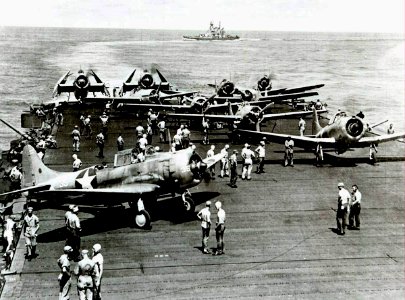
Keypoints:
(189, 205)
(142, 219)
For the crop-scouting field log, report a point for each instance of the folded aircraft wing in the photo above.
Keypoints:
(226, 118)
(283, 97)
(292, 114)
(299, 141)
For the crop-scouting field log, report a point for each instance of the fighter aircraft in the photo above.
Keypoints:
(227, 90)
(247, 115)
(139, 183)
(81, 85)
(341, 134)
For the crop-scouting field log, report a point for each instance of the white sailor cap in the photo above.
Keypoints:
(208, 203)
(341, 184)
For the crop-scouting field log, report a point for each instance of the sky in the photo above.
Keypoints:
(268, 15)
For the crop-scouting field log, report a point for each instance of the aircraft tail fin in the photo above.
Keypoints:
(35, 172)
(316, 127)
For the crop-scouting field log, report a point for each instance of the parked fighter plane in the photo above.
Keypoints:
(81, 85)
(247, 115)
(341, 134)
(139, 184)
(227, 90)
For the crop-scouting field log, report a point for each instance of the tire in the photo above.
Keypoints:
(189, 205)
(142, 219)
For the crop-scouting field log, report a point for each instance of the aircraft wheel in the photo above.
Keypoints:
(189, 205)
(142, 219)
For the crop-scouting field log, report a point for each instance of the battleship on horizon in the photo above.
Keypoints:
(212, 34)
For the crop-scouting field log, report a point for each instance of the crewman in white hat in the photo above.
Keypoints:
(205, 216)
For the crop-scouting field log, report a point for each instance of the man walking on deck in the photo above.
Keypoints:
(31, 227)
(205, 216)
(342, 209)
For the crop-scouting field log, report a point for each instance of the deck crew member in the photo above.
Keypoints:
(261, 154)
(205, 216)
(319, 154)
(233, 163)
(104, 123)
(76, 139)
(177, 142)
(120, 142)
(59, 119)
(185, 137)
(220, 228)
(210, 153)
(77, 163)
(180, 130)
(99, 267)
(318, 105)
(15, 177)
(143, 142)
(390, 129)
(31, 227)
(289, 152)
(153, 118)
(87, 127)
(205, 127)
(85, 271)
(64, 276)
(149, 134)
(247, 155)
(8, 233)
(342, 209)
(224, 163)
(301, 126)
(100, 144)
(41, 146)
(373, 153)
(355, 208)
(139, 131)
(74, 228)
(162, 131)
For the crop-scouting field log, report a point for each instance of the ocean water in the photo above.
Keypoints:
(360, 71)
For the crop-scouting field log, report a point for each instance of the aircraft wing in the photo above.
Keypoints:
(155, 106)
(210, 161)
(290, 114)
(114, 193)
(174, 95)
(299, 141)
(37, 188)
(366, 141)
(97, 87)
(225, 118)
(289, 96)
(301, 89)
(65, 88)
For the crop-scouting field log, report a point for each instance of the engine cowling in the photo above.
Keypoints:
(146, 81)
(264, 84)
(81, 85)
(355, 127)
(226, 89)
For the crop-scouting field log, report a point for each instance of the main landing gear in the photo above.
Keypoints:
(142, 216)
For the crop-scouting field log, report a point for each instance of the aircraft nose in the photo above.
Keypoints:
(354, 127)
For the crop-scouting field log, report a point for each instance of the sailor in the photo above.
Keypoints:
(301, 126)
(162, 131)
(59, 119)
(220, 228)
(247, 155)
(210, 153)
(8, 233)
(108, 106)
(120, 142)
(180, 130)
(31, 222)
(64, 276)
(224, 163)
(261, 154)
(41, 146)
(74, 228)
(355, 208)
(390, 129)
(100, 144)
(373, 153)
(205, 127)
(143, 142)
(205, 216)
(185, 137)
(77, 163)
(87, 126)
(85, 270)
(177, 142)
(76, 139)
(99, 267)
(15, 176)
(139, 131)
(153, 118)
(104, 123)
(140, 157)
(233, 162)
(82, 126)
(342, 209)
(149, 134)
(289, 152)
(68, 213)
